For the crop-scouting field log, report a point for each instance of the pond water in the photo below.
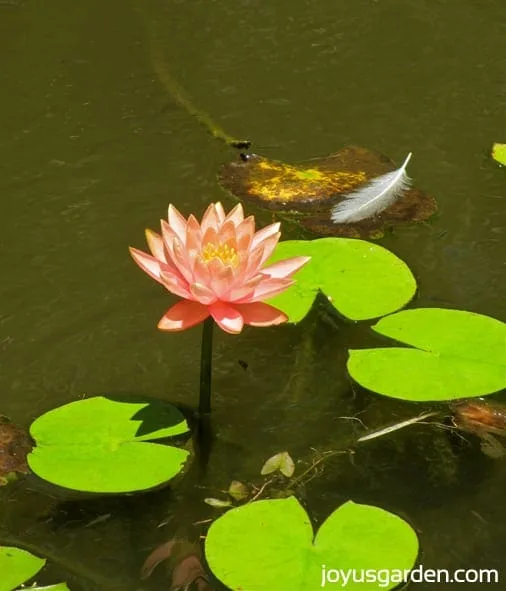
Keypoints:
(93, 148)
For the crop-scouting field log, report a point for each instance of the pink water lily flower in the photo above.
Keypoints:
(217, 268)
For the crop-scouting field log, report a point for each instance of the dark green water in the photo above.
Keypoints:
(92, 149)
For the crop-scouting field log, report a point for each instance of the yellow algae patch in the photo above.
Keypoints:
(274, 180)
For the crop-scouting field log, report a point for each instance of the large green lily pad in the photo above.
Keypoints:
(453, 354)
(103, 445)
(361, 280)
(310, 189)
(270, 545)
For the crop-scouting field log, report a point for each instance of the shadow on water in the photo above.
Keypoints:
(92, 149)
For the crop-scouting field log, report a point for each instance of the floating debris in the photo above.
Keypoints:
(15, 444)
(309, 190)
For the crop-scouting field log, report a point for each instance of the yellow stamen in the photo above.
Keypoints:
(223, 252)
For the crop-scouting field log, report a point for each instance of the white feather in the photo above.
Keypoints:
(373, 198)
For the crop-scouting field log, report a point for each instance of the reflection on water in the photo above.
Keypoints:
(92, 148)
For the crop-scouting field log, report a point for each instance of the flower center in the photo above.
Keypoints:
(223, 252)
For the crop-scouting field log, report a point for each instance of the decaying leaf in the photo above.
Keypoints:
(15, 444)
(282, 462)
(309, 190)
(492, 447)
(238, 491)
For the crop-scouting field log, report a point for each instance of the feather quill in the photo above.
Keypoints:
(374, 197)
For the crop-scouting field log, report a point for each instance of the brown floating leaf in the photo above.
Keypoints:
(311, 188)
(15, 444)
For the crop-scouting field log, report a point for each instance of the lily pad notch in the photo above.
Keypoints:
(361, 280)
(270, 544)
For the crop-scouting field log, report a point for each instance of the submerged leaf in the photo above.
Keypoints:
(287, 467)
(310, 190)
(159, 554)
(188, 572)
(281, 461)
(499, 153)
(238, 491)
(491, 447)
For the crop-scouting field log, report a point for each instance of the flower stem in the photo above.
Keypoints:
(206, 357)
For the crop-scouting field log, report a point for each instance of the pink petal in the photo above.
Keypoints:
(264, 233)
(177, 223)
(175, 285)
(268, 245)
(245, 290)
(193, 234)
(147, 263)
(210, 236)
(210, 219)
(250, 266)
(183, 315)
(268, 289)
(201, 272)
(168, 237)
(222, 278)
(285, 268)
(220, 212)
(202, 294)
(180, 257)
(236, 215)
(226, 317)
(244, 234)
(227, 234)
(156, 245)
(260, 314)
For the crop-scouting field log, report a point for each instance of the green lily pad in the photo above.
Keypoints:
(308, 190)
(454, 354)
(278, 536)
(103, 445)
(17, 566)
(499, 153)
(361, 280)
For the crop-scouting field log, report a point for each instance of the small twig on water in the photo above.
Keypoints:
(397, 426)
(261, 490)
